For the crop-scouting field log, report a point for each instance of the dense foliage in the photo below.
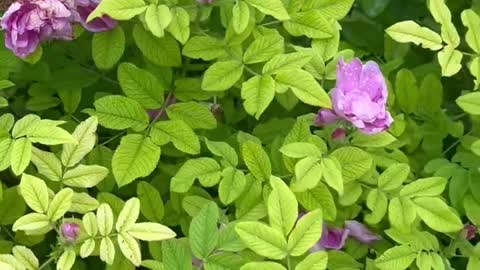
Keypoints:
(324, 134)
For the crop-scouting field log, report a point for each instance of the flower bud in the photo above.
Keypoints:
(70, 231)
(339, 134)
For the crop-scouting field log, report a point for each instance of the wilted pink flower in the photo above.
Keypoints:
(70, 231)
(361, 233)
(332, 238)
(29, 22)
(470, 231)
(339, 134)
(102, 24)
(360, 96)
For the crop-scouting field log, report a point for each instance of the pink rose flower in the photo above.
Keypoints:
(29, 22)
(360, 97)
(84, 8)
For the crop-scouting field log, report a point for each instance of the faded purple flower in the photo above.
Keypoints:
(470, 231)
(29, 22)
(360, 232)
(339, 134)
(332, 238)
(84, 8)
(325, 117)
(160, 113)
(360, 96)
(70, 231)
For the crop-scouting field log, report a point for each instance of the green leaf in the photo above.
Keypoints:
(26, 257)
(474, 67)
(263, 266)
(6, 146)
(283, 62)
(12, 206)
(308, 173)
(128, 216)
(332, 173)
(83, 203)
(4, 84)
(140, 85)
(157, 18)
(85, 176)
(195, 115)
(224, 150)
(258, 92)
(335, 9)
(310, 23)
(87, 248)
(176, 254)
(136, 156)
(472, 21)
(108, 47)
(118, 9)
(35, 193)
(450, 60)
(282, 206)
(473, 263)
(274, 8)
(319, 198)
(151, 203)
(410, 31)
(104, 219)
(107, 250)
(149, 231)
(442, 15)
(30, 222)
(85, 135)
(257, 160)
(66, 260)
(11, 261)
(240, 16)
(25, 125)
(305, 87)
(306, 233)
(437, 215)
(394, 176)
(396, 258)
(314, 261)
(160, 51)
(472, 209)
(90, 224)
(355, 162)
(205, 169)
(263, 49)
(262, 239)
(222, 75)
(377, 140)
(179, 26)
(50, 135)
(470, 103)
(377, 202)
(203, 233)
(406, 90)
(426, 187)
(204, 47)
(21, 155)
(60, 204)
(119, 112)
(178, 133)
(130, 248)
(424, 261)
(70, 98)
(232, 185)
(301, 150)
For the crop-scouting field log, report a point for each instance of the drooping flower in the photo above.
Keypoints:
(360, 96)
(360, 232)
(29, 22)
(84, 8)
(339, 134)
(470, 231)
(332, 238)
(70, 231)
